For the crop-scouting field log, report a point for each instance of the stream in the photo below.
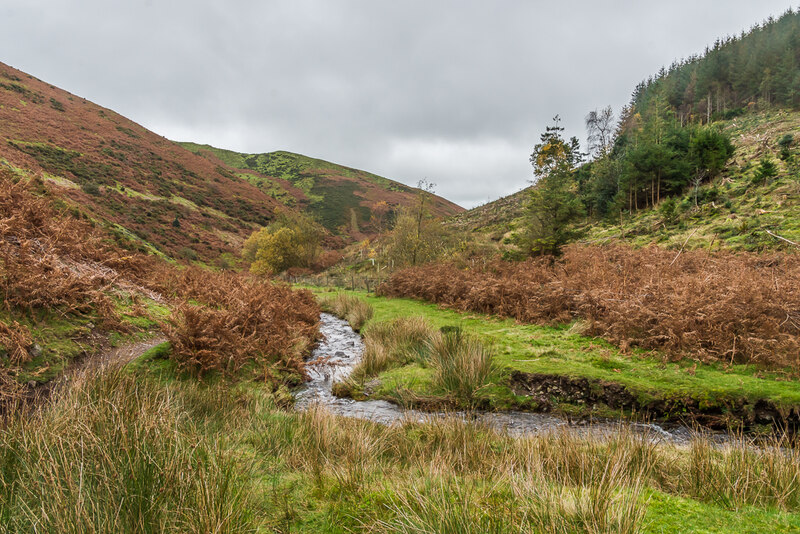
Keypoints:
(340, 350)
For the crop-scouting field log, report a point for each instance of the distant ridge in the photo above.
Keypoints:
(154, 192)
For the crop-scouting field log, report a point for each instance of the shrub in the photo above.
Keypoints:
(238, 319)
(290, 241)
(785, 144)
(766, 170)
(686, 304)
(668, 210)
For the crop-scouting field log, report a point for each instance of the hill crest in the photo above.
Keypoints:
(151, 191)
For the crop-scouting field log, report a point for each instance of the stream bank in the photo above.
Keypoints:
(340, 350)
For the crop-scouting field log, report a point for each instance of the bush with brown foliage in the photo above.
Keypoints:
(51, 260)
(48, 260)
(14, 342)
(720, 306)
(238, 318)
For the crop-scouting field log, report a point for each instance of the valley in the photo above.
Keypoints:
(196, 339)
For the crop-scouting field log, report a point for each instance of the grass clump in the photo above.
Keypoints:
(462, 364)
(393, 344)
(116, 454)
(352, 309)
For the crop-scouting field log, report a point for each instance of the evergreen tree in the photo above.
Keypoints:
(554, 204)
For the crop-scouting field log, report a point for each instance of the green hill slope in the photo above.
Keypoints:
(664, 175)
(734, 210)
(343, 199)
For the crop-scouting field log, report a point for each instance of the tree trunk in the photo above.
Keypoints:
(658, 191)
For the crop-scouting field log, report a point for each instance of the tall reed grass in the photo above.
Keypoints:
(352, 309)
(392, 344)
(462, 364)
(114, 454)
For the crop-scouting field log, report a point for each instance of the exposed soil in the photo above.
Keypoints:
(550, 390)
(39, 393)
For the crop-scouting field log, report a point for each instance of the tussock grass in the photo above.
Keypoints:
(456, 476)
(392, 344)
(116, 452)
(740, 475)
(113, 454)
(462, 364)
(352, 309)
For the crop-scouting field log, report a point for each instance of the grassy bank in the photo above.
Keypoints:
(151, 450)
(722, 391)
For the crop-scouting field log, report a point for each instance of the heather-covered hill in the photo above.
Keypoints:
(141, 184)
(153, 191)
(347, 201)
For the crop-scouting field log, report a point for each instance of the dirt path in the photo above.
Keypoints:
(111, 356)
(118, 355)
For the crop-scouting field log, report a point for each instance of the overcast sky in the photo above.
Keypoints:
(454, 91)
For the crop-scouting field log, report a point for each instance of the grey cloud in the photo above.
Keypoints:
(455, 91)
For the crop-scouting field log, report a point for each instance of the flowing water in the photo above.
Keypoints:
(340, 350)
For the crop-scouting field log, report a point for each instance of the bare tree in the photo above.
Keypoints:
(600, 129)
(425, 191)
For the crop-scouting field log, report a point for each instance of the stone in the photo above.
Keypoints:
(371, 386)
(35, 350)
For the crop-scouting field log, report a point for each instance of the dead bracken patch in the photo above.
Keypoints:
(735, 308)
(236, 318)
(51, 260)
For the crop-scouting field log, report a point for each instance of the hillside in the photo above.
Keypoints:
(495, 218)
(346, 201)
(141, 185)
(734, 210)
(161, 197)
(705, 151)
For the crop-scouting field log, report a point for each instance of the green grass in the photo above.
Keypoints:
(64, 337)
(561, 351)
(145, 450)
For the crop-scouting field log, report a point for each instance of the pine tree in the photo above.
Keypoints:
(554, 204)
